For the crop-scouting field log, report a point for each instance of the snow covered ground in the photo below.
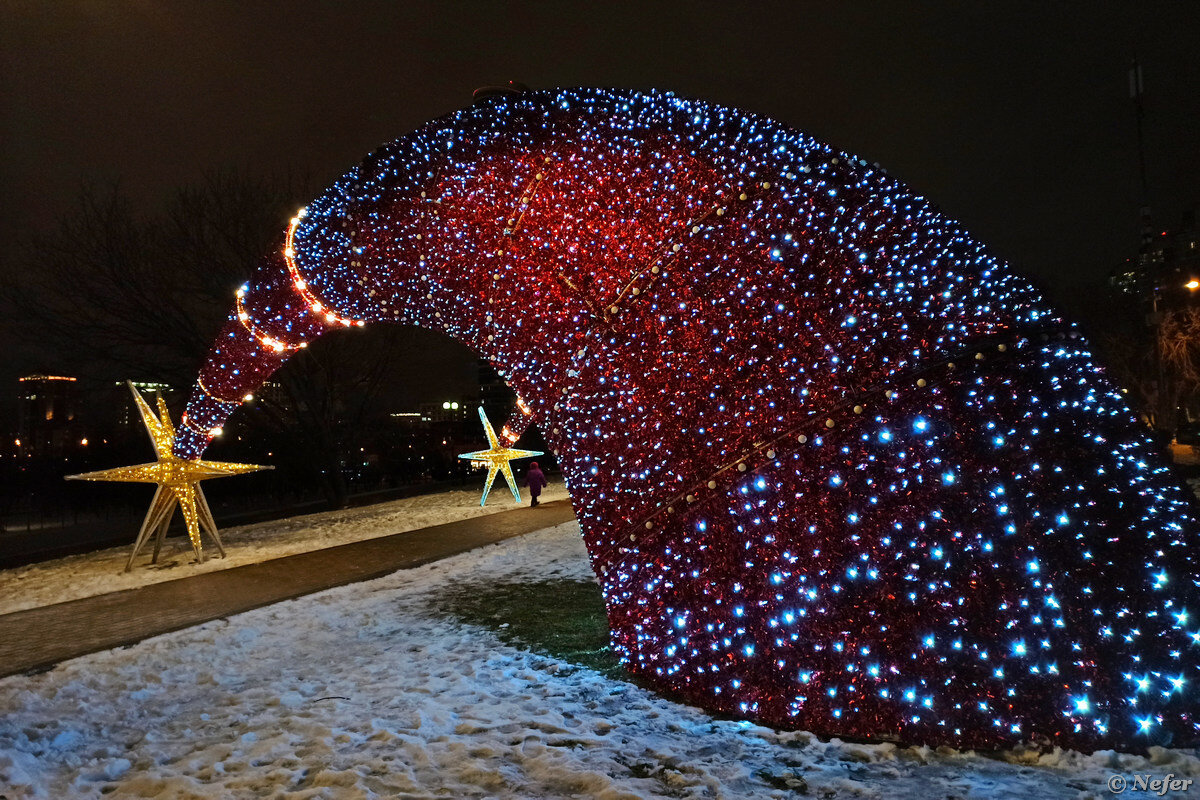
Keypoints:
(375, 691)
(103, 571)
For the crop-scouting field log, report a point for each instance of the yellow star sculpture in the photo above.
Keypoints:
(178, 482)
(497, 458)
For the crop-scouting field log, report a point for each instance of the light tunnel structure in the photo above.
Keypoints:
(836, 466)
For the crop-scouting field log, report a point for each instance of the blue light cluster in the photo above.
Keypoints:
(836, 466)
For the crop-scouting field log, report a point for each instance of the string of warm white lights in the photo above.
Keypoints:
(835, 465)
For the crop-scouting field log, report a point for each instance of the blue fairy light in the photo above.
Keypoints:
(800, 412)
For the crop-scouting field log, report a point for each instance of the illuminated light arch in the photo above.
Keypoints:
(836, 466)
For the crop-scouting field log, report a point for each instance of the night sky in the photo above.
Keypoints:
(1015, 118)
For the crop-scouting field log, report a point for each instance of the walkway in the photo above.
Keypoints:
(41, 637)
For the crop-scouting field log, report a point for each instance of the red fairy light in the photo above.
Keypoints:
(836, 466)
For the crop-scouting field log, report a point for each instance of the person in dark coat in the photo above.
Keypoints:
(536, 482)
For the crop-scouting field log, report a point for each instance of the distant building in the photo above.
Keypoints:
(409, 420)
(1166, 273)
(498, 399)
(61, 417)
(273, 393)
(48, 424)
(448, 415)
(127, 415)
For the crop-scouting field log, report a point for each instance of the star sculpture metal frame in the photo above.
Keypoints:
(178, 482)
(497, 458)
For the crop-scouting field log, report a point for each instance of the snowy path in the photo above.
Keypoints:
(90, 574)
(374, 691)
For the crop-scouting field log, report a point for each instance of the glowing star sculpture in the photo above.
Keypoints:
(178, 482)
(497, 457)
(836, 466)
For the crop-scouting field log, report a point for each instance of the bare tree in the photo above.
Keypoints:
(1178, 343)
(112, 294)
(1128, 352)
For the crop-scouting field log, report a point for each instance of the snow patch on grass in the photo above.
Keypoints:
(393, 688)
